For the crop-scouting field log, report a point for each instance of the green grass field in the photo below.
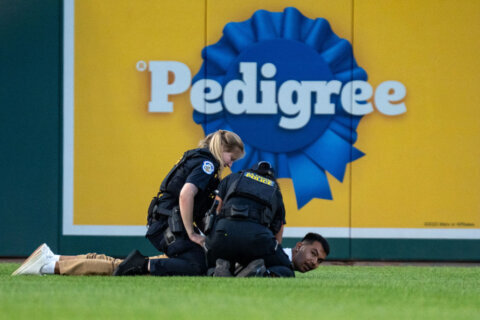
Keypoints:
(334, 292)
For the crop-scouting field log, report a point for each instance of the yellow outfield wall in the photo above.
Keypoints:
(421, 168)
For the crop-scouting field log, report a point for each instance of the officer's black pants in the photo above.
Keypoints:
(279, 264)
(186, 258)
(243, 241)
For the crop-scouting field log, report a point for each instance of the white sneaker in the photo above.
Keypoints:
(35, 261)
(48, 252)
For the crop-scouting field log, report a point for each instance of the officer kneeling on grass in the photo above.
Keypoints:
(249, 226)
(175, 215)
(247, 232)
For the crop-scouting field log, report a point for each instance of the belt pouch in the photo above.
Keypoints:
(239, 211)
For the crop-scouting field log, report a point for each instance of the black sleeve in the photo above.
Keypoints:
(202, 174)
(279, 218)
(280, 214)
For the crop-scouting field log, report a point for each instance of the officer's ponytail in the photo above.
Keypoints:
(223, 141)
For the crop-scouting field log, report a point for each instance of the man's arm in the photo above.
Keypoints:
(220, 201)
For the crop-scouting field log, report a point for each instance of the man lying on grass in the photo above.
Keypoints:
(305, 256)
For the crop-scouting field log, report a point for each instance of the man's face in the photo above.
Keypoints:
(307, 256)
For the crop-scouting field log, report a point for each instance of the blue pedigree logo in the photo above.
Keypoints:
(291, 88)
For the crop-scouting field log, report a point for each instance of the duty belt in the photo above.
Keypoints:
(159, 211)
(244, 213)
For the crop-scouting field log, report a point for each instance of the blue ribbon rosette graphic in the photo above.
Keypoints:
(301, 49)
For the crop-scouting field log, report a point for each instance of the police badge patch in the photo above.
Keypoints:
(208, 167)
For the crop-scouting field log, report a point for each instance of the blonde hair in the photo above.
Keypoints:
(223, 141)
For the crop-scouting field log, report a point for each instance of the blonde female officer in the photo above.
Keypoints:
(175, 215)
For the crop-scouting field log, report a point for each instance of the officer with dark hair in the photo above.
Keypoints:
(249, 225)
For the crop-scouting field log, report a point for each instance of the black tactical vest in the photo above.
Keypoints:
(175, 179)
(253, 186)
(168, 197)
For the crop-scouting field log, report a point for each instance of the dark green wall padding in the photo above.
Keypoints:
(30, 91)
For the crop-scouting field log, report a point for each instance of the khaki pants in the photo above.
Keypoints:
(91, 264)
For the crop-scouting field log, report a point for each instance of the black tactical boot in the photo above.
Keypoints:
(222, 269)
(256, 268)
(134, 264)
